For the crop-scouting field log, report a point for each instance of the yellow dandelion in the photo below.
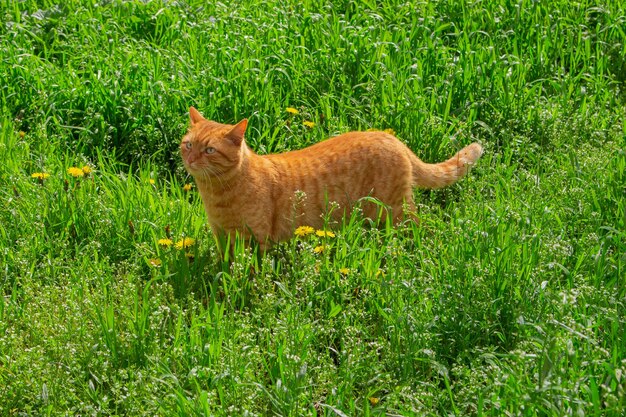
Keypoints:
(344, 271)
(151, 181)
(187, 187)
(75, 172)
(87, 170)
(185, 243)
(166, 243)
(319, 249)
(155, 262)
(325, 233)
(303, 231)
(190, 256)
(390, 131)
(374, 401)
(22, 133)
(292, 110)
(309, 124)
(40, 175)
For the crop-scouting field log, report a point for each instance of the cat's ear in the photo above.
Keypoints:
(195, 116)
(237, 132)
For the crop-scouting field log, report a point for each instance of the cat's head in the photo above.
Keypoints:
(212, 149)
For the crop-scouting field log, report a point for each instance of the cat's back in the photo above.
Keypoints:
(358, 146)
(342, 169)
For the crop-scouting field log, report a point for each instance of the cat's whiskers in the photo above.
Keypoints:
(205, 175)
(209, 173)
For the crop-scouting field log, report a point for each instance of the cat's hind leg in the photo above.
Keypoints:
(405, 210)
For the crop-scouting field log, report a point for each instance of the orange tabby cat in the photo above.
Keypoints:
(267, 197)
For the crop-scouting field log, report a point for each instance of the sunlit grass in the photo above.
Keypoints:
(506, 299)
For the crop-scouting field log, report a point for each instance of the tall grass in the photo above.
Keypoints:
(506, 299)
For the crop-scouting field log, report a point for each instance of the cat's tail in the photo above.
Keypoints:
(445, 173)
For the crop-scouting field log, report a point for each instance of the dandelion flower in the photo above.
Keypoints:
(187, 187)
(22, 133)
(390, 131)
(155, 262)
(292, 110)
(40, 175)
(325, 233)
(165, 242)
(374, 401)
(344, 271)
(190, 256)
(303, 231)
(75, 172)
(185, 243)
(87, 170)
(319, 249)
(309, 124)
(152, 181)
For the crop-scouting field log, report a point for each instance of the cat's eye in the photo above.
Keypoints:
(210, 150)
(188, 145)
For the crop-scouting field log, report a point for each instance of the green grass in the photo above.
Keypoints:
(507, 299)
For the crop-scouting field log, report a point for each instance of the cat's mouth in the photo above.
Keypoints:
(202, 170)
(195, 170)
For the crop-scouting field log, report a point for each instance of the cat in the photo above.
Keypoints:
(266, 197)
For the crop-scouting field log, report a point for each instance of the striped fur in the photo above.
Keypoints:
(267, 197)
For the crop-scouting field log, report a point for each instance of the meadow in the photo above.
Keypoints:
(508, 299)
